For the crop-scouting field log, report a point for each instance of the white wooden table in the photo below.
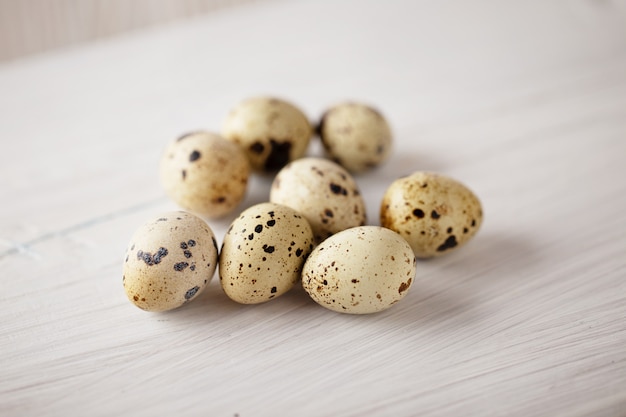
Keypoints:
(525, 102)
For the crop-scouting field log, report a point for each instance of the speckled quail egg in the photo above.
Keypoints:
(434, 213)
(263, 253)
(205, 173)
(324, 192)
(356, 136)
(360, 270)
(272, 132)
(169, 261)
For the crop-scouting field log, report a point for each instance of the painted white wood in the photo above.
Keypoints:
(34, 26)
(525, 102)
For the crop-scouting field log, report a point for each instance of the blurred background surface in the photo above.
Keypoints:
(32, 26)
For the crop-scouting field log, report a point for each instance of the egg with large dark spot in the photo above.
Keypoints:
(169, 261)
(272, 132)
(263, 253)
(434, 213)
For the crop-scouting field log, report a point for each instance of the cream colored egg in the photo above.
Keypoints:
(356, 136)
(323, 192)
(169, 261)
(263, 253)
(272, 132)
(434, 213)
(360, 270)
(204, 173)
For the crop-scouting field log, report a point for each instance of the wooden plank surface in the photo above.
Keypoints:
(34, 26)
(525, 102)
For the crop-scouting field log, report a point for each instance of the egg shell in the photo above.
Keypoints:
(263, 253)
(205, 173)
(169, 261)
(272, 132)
(434, 213)
(360, 270)
(323, 192)
(355, 135)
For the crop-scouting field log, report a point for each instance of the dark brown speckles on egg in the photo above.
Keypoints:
(448, 244)
(258, 228)
(194, 156)
(161, 253)
(317, 171)
(404, 286)
(338, 189)
(435, 215)
(257, 147)
(180, 266)
(419, 213)
(191, 292)
(279, 155)
(150, 259)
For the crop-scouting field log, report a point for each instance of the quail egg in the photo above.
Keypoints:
(434, 213)
(205, 173)
(360, 270)
(169, 261)
(324, 192)
(272, 132)
(263, 253)
(357, 136)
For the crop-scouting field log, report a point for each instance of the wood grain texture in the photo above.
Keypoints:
(525, 102)
(35, 26)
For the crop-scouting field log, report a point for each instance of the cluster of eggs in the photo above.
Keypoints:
(313, 228)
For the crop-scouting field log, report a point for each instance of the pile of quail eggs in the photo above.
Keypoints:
(312, 230)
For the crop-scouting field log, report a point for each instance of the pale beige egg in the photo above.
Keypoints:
(263, 253)
(323, 192)
(204, 173)
(360, 270)
(272, 132)
(434, 213)
(169, 261)
(355, 135)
